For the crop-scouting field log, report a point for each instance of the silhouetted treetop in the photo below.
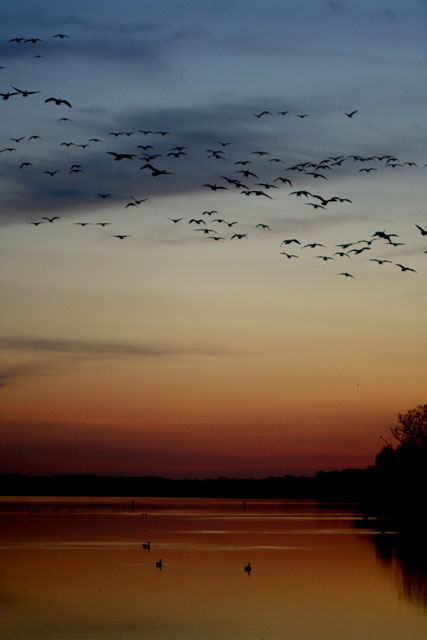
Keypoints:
(411, 430)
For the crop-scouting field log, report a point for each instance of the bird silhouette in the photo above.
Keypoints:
(351, 114)
(403, 268)
(121, 156)
(422, 231)
(8, 94)
(58, 101)
(51, 219)
(24, 93)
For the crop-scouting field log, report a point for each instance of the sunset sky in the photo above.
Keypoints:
(166, 352)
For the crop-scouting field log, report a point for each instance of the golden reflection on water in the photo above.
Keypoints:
(79, 571)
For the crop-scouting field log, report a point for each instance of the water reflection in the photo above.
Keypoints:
(404, 555)
(78, 571)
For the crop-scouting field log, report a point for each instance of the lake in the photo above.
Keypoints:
(75, 569)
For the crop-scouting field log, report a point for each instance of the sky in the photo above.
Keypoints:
(166, 352)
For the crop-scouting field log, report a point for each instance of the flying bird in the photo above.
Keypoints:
(351, 114)
(24, 93)
(422, 231)
(8, 94)
(289, 255)
(214, 187)
(121, 156)
(58, 101)
(403, 268)
(51, 219)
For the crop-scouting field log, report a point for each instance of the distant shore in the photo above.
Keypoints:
(349, 484)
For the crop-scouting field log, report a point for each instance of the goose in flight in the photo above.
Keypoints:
(137, 202)
(51, 219)
(8, 94)
(121, 156)
(122, 236)
(422, 231)
(300, 193)
(58, 101)
(403, 268)
(52, 173)
(247, 173)
(346, 274)
(262, 226)
(104, 195)
(256, 192)
(289, 255)
(239, 236)
(24, 93)
(351, 114)
(315, 206)
(284, 180)
(380, 261)
(214, 187)
(290, 241)
(175, 220)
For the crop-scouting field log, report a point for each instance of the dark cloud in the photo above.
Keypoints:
(197, 128)
(104, 349)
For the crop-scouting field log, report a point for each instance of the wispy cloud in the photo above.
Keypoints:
(109, 349)
(62, 353)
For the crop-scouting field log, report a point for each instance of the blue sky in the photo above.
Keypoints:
(280, 340)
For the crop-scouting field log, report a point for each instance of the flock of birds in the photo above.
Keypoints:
(245, 175)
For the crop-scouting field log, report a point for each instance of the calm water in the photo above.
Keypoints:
(75, 569)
